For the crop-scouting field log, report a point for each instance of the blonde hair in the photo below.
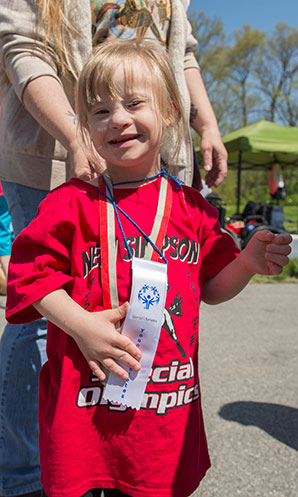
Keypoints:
(96, 80)
(57, 29)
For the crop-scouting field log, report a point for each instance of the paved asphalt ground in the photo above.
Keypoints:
(249, 380)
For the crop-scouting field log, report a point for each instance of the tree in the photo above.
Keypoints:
(250, 77)
(241, 59)
(211, 44)
(228, 70)
(211, 57)
(277, 73)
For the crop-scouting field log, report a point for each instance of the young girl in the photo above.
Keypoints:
(73, 266)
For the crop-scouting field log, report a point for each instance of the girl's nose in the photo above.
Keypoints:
(120, 117)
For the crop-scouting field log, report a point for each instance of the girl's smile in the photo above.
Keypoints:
(122, 140)
(127, 131)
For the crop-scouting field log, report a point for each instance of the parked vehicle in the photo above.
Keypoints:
(255, 217)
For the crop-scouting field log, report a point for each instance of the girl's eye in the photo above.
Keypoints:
(134, 103)
(101, 111)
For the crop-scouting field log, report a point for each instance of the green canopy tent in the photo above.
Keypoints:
(260, 145)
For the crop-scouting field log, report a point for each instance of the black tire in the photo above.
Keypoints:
(261, 227)
(234, 236)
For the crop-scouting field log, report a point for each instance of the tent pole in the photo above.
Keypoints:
(239, 181)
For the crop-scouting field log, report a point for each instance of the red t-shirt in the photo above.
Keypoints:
(85, 442)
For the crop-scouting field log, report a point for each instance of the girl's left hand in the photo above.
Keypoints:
(267, 253)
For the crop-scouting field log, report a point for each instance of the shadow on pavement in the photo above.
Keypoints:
(281, 422)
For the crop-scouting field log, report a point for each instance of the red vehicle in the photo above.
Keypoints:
(255, 217)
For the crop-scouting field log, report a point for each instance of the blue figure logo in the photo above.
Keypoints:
(149, 296)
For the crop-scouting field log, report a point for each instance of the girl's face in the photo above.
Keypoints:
(127, 131)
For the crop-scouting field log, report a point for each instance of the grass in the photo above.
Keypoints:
(291, 213)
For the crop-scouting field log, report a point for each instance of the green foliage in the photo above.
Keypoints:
(291, 269)
(277, 75)
(255, 186)
(251, 76)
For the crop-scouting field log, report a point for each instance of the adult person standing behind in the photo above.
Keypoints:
(38, 145)
(43, 44)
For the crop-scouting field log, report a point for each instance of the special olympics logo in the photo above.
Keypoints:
(149, 296)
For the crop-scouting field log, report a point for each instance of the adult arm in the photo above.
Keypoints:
(203, 121)
(94, 333)
(266, 254)
(30, 65)
(47, 102)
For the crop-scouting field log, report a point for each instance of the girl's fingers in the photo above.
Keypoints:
(283, 239)
(274, 270)
(127, 359)
(277, 259)
(116, 368)
(111, 365)
(123, 353)
(96, 370)
(125, 346)
(118, 313)
(279, 249)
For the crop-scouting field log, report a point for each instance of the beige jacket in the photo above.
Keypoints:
(181, 47)
(29, 155)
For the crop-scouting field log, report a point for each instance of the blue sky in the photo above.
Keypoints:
(260, 14)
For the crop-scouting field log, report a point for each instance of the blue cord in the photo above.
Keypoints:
(116, 208)
(138, 181)
(176, 180)
(161, 173)
(111, 199)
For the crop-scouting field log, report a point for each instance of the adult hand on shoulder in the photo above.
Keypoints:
(214, 157)
(267, 253)
(102, 345)
(80, 165)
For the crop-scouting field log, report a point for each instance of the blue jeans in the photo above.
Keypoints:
(22, 353)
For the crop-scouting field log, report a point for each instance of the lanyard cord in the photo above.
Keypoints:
(117, 208)
(161, 173)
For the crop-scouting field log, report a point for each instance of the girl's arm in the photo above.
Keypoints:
(266, 253)
(94, 333)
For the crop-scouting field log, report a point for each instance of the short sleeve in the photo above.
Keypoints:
(40, 259)
(218, 249)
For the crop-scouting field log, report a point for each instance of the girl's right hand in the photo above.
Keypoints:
(94, 332)
(103, 346)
